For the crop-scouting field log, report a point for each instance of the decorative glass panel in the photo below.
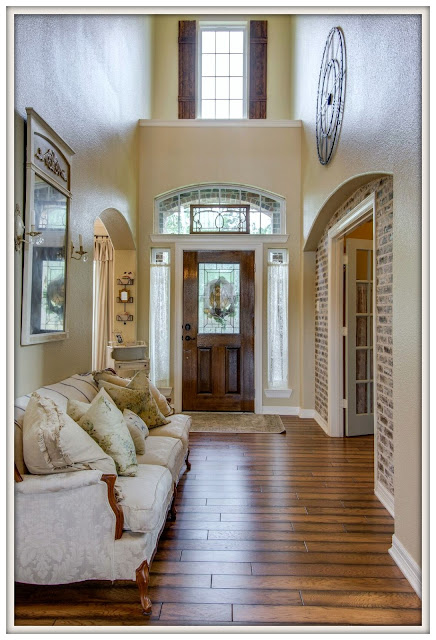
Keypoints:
(220, 219)
(218, 298)
(173, 211)
(47, 311)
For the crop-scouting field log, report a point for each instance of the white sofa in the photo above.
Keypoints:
(69, 526)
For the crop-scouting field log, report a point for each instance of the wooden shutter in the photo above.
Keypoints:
(258, 46)
(187, 67)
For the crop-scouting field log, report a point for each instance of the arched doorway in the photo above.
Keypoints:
(114, 253)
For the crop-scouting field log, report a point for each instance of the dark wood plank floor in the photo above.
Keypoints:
(272, 529)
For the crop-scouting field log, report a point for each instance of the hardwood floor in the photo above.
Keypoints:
(271, 529)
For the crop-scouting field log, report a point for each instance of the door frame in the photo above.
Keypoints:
(200, 244)
(364, 211)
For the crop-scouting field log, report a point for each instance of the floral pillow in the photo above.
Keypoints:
(140, 402)
(141, 381)
(138, 430)
(107, 376)
(105, 423)
(137, 427)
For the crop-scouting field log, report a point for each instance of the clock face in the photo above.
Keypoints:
(331, 93)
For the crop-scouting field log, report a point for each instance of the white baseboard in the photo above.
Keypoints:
(306, 413)
(386, 498)
(411, 570)
(284, 411)
(322, 423)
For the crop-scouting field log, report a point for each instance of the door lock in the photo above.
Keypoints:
(187, 327)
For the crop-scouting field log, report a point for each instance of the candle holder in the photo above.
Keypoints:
(82, 255)
(34, 237)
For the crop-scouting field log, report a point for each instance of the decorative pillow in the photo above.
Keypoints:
(137, 427)
(138, 430)
(140, 402)
(107, 376)
(106, 425)
(77, 409)
(54, 443)
(140, 381)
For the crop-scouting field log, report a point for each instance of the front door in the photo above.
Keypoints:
(218, 331)
(359, 338)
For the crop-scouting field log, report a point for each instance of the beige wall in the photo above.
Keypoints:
(89, 77)
(165, 67)
(267, 158)
(380, 132)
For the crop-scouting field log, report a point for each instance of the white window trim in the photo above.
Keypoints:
(221, 25)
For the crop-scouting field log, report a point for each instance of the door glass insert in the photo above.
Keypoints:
(218, 298)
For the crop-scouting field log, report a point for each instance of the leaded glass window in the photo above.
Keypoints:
(267, 212)
(160, 317)
(277, 318)
(218, 298)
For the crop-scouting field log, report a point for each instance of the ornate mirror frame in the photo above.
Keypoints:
(48, 200)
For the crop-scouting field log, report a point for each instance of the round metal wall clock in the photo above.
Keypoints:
(331, 93)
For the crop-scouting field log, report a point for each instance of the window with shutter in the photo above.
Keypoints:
(231, 75)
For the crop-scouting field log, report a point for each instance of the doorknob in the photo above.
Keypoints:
(189, 338)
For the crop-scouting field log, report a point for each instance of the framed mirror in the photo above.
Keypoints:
(48, 197)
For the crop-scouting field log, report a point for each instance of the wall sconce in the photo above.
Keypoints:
(34, 237)
(83, 255)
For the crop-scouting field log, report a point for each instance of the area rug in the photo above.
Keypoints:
(235, 422)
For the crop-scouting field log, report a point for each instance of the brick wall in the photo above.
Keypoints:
(383, 234)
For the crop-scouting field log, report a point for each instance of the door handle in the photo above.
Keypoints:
(187, 338)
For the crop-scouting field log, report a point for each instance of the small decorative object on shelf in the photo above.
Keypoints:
(128, 277)
(118, 338)
(125, 297)
(124, 317)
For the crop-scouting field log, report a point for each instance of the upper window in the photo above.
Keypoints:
(222, 59)
(266, 211)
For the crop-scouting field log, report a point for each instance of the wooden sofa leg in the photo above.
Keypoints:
(188, 464)
(173, 510)
(142, 580)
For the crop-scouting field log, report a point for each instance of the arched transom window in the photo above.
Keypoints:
(176, 213)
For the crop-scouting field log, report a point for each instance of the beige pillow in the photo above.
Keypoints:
(140, 402)
(54, 443)
(107, 376)
(137, 427)
(138, 430)
(104, 422)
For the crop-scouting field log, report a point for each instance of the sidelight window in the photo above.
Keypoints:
(160, 317)
(277, 318)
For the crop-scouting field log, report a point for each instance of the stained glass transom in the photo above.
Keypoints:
(173, 210)
(218, 298)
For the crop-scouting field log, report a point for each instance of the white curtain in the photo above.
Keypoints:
(160, 324)
(103, 300)
(277, 326)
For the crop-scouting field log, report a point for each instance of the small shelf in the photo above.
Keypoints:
(120, 319)
(129, 301)
(125, 283)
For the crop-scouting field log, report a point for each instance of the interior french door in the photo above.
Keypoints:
(218, 331)
(359, 354)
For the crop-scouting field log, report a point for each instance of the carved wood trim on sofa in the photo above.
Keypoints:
(110, 479)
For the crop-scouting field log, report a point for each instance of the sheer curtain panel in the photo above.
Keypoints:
(103, 300)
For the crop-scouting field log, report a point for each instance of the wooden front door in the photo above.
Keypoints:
(218, 331)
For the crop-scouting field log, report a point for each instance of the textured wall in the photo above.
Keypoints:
(383, 338)
(89, 78)
(381, 131)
